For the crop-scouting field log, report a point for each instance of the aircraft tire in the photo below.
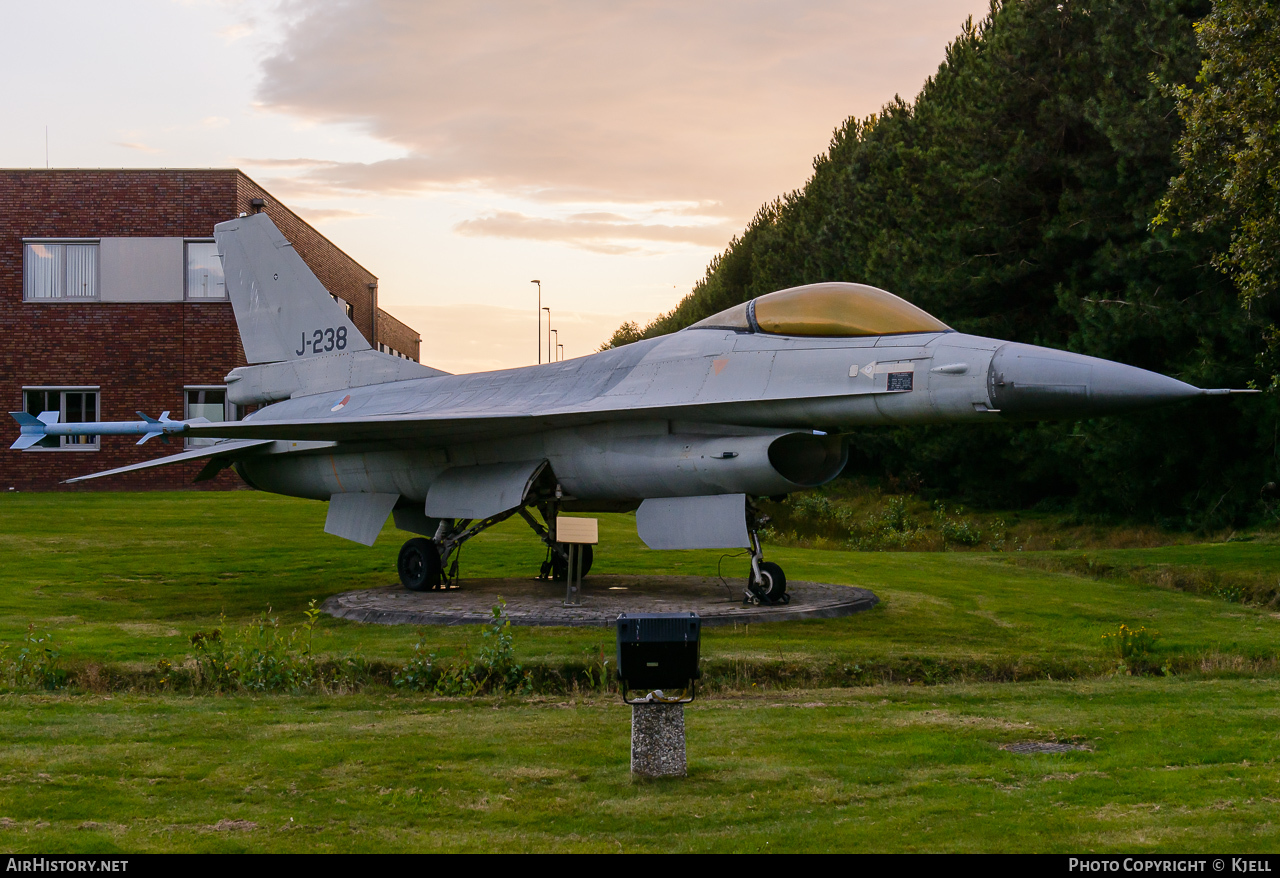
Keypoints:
(419, 565)
(560, 569)
(773, 586)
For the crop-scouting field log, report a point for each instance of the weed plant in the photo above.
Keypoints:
(37, 664)
(262, 658)
(494, 670)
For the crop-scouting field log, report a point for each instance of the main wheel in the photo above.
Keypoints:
(419, 565)
(772, 585)
(560, 569)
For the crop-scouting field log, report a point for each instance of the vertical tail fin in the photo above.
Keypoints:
(283, 311)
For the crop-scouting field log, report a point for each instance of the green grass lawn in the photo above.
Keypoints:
(1180, 763)
(126, 578)
(1175, 766)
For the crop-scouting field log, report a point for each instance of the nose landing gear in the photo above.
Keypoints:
(766, 583)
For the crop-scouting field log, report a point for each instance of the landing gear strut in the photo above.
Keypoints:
(556, 566)
(424, 564)
(430, 564)
(766, 583)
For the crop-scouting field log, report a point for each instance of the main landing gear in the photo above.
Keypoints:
(431, 564)
(766, 583)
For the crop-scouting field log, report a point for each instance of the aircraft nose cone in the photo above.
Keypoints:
(1026, 382)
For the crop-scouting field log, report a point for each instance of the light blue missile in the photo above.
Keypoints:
(34, 428)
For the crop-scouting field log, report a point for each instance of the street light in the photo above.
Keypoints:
(539, 313)
(551, 349)
(561, 349)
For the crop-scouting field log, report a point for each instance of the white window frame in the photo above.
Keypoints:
(186, 289)
(230, 411)
(97, 270)
(68, 443)
(347, 307)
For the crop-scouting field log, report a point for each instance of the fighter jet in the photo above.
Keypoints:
(689, 429)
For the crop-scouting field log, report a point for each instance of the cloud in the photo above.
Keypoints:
(475, 338)
(589, 230)
(327, 214)
(237, 31)
(286, 163)
(215, 122)
(140, 147)
(719, 105)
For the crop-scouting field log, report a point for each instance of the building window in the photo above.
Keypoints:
(211, 404)
(346, 306)
(204, 271)
(60, 270)
(74, 405)
(388, 349)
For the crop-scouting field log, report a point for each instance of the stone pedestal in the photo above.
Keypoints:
(657, 740)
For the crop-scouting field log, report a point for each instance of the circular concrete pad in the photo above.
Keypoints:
(536, 602)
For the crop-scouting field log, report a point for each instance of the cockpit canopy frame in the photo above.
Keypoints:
(826, 310)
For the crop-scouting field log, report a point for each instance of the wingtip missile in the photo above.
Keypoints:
(35, 428)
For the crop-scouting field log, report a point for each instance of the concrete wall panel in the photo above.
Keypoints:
(140, 269)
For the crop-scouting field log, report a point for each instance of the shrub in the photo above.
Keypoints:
(961, 531)
(1133, 647)
(894, 528)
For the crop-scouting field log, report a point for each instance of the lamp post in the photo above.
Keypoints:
(539, 313)
(560, 347)
(551, 349)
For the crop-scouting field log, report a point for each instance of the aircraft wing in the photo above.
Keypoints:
(414, 428)
(222, 455)
(420, 428)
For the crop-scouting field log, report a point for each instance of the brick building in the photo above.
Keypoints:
(111, 302)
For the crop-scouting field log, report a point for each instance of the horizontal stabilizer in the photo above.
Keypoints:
(272, 382)
(235, 448)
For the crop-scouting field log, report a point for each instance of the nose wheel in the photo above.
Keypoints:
(770, 587)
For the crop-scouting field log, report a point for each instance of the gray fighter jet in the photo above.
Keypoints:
(687, 429)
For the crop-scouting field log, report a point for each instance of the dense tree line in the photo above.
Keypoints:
(1230, 149)
(1014, 198)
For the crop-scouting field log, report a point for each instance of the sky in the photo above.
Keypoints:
(459, 150)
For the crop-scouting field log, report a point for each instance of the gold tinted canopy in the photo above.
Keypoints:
(826, 311)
